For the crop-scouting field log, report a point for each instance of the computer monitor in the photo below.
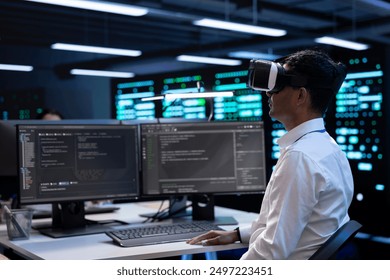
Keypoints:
(8, 150)
(67, 164)
(202, 159)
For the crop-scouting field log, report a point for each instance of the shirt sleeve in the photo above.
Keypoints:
(292, 194)
(245, 233)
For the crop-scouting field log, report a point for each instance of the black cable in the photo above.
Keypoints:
(160, 216)
(154, 217)
(170, 215)
(166, 107)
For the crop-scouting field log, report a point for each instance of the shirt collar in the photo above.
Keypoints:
(294, 134)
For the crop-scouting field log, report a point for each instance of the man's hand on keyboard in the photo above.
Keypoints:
(215, 237)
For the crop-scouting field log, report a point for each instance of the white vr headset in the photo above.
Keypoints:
(271, 77)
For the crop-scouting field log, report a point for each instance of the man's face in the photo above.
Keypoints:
(51, 117)
(283, 104)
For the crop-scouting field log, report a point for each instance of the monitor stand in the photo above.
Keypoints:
(177, 208)
(202, 209)
(68, 219)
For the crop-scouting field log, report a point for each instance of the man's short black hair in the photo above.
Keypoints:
(325, 75)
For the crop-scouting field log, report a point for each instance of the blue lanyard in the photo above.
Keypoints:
(319, 130)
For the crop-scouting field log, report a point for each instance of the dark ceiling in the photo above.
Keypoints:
(28, 29)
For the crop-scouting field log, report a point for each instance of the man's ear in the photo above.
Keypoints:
(303, 96)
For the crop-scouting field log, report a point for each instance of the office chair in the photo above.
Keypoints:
(337, 241)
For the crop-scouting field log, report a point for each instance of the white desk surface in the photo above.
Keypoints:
(100, 246)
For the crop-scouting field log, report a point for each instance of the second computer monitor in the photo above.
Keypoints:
(203, 158)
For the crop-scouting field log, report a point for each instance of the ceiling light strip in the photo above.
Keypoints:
(100, 6)
(341, 43)
(93, 49)
(208, 60)
(100, 73)
(239, 27)
(253, 55)
(15, 67)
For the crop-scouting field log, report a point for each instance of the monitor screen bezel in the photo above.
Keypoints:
(211, 192)
(92, 197)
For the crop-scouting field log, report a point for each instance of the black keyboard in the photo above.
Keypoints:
(160, 233)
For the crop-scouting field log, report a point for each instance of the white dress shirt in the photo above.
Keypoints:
(307, 197)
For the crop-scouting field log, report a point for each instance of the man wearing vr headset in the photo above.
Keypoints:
(311, 187)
